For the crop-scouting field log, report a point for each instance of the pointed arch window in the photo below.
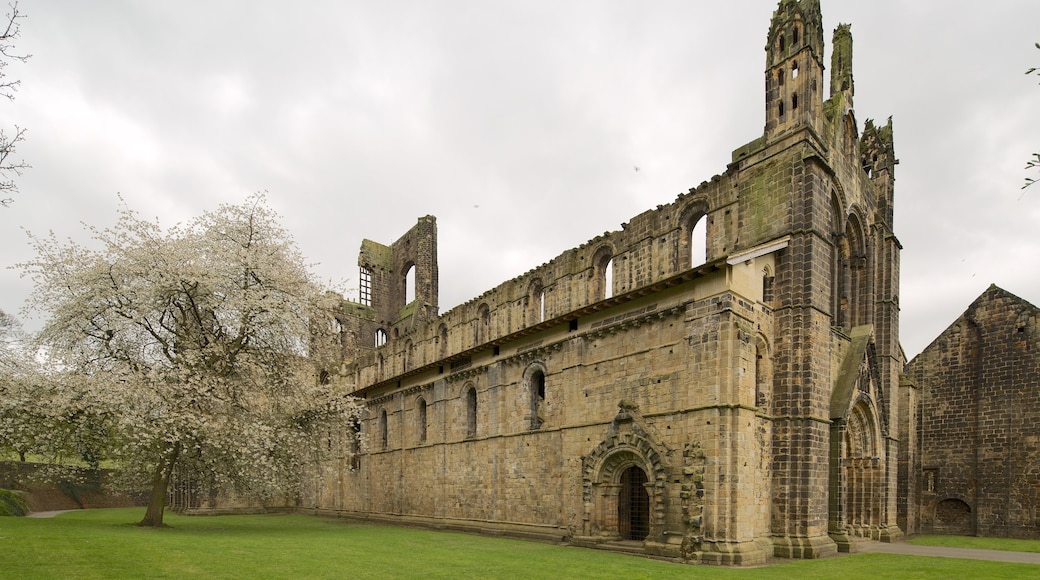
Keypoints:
(380, 337)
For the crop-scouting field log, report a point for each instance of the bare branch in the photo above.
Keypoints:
(9, 169)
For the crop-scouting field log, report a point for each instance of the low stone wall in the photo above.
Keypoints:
(81, 489)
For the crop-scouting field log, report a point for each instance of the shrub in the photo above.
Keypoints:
(11, 503)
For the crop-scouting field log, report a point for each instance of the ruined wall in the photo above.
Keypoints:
(977, 422)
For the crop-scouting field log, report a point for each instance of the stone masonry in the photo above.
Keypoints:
(976, 470)
(719, 409)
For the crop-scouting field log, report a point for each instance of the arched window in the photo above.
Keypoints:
(471, 412)
(421, 410)
(380, 337)
(794, 102)
(695, 230)
(699, 242)
(409, 284)
(384, 434)
(537, 383)
(794, 71)
(603, 273)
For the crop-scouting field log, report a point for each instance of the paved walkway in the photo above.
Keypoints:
(50, 514)
(942, 552)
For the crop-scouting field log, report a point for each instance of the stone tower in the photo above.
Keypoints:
(837, 359)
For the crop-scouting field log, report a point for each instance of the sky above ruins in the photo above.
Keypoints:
(519, 124)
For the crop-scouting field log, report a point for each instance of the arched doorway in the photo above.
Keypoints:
(633, 505)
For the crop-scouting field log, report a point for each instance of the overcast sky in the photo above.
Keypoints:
(517, 124)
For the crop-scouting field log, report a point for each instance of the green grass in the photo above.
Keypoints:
(100, 544)
(1005, 544)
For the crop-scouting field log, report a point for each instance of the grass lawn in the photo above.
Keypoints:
(101, 544)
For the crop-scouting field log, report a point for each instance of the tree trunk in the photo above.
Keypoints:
(160, 482)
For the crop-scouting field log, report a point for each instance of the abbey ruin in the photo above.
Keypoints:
(723, 408)
(719, 409)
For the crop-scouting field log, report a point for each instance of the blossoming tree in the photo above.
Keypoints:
(204, 345)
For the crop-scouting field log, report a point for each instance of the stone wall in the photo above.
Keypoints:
(979, 389)
(74, 488)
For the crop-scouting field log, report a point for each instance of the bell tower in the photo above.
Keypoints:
(794, 67)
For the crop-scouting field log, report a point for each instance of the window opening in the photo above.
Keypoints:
(471, 413)
(633, 505)
(794, 71)
(608, 279)
(781, 108)
(380, 337)
(794, 102)
(384, 435)
(355, 445)
(409, 285)
(541, 306)
(365, 287)
(794, 36)
(537, 399)
(422, 420)
(780, 77)
(699, 236)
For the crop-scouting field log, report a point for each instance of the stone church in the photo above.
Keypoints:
(632, 393)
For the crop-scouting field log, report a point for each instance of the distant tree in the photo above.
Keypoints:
(194, 345)
(9, 167)
(10, 333)
(1034, 162)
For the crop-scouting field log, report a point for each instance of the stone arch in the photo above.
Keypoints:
(693, 221)
(953, 516)
(863, 470)
(602, 472)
